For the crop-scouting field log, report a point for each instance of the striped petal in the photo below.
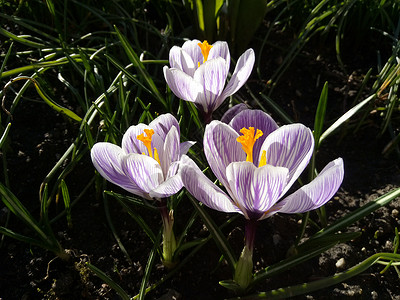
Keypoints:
(143, 170)
(239, 77)
(200, 187)
(185, 146)
(171, 150)
(221, 148)
(255, 190)
(163, 124)
(317, 192)
(169, 187)
(289, 146)
(193, 50)
(130, 143)
(233, 111)
(212, 76)
(107, 159)
(182, 85)
(257, 119)
(221, 49)
(181, 60)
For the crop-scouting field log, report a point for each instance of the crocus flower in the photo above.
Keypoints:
(257, 162)
(146, 165)
(199, 71)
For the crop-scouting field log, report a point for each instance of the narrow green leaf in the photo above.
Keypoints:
(149, 267)
(134, 58)
(320, 114)
(103, 276)
(345, 117)
(218, 237)
(4, 135)
(48, 100)
(21, 40)
(67, 201)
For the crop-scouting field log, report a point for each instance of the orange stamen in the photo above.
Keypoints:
(205, 49)
(248, 139)
(146, 140)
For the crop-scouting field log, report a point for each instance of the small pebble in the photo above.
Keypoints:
(395, 213)
(341, 263)
(374, 295)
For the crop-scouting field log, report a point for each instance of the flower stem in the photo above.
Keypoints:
(244, 267)
(169, 241)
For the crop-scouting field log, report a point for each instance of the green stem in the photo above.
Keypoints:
(169, 241)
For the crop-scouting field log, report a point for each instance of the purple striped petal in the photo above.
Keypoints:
(221, 148)
(171, 150)
(221, 49)
(130, 143)
(181, 60)
(256, 190)
(259, 120)
(107, 159)
(143, 170)
(200, 187)
(163, 124)
(289, 146)
(169, 187)
(212, 76)
(192, 48)
(185, 146)
(182, 85)
(233, 111)
(239, 77)
(317, 192)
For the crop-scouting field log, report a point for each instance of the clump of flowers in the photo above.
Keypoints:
(257, 162)
(198, 73)
(146, 165)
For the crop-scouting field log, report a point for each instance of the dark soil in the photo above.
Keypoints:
(39, 136)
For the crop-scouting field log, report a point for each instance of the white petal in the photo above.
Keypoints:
(221, 49)
(185, 146)
(256, 190)
(211, 76)
(143, 170)
(163, 123)
(317, 192)
(194, 51)
(200, 187)
(221, 148)
(107, 159)
(290, 146)
(130, 143)
(239, 77)
(168, 188)
(182, 85)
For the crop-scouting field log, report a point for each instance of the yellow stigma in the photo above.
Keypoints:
(205, 49)
(146, 140)
(248, 139)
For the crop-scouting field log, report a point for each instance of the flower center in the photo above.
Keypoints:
(146, 140)
(205, 50)
(247, 140)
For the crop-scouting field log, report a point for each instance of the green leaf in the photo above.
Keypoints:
(216, 233)
(103, 276)
(48, 100)
(320, 114)
(134, 58)
(345, 117)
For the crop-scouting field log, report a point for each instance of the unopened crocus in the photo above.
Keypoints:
(146, 165)
(257, 162)
(198, 73)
